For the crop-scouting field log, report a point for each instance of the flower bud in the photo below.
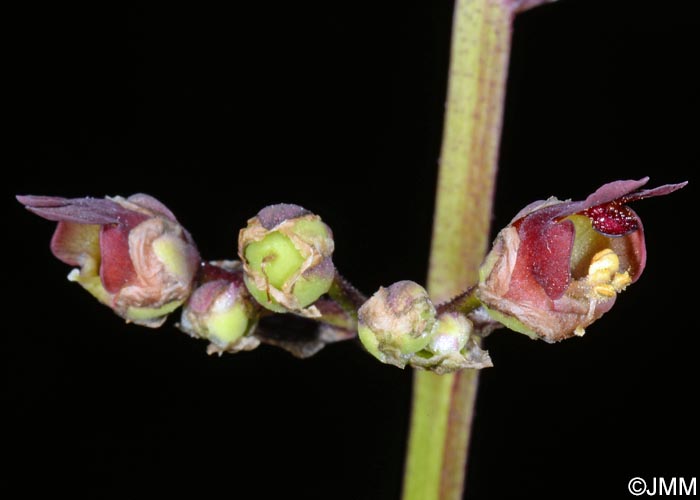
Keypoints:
(397, 322)
(221, 310)
(451, 334)
(133, 255)
(452, 347)
(286, 253)
(558, 266)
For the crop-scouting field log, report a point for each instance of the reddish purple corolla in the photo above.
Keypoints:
(132, 254)
(559, 265)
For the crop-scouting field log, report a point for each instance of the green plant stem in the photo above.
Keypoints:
(443, 404)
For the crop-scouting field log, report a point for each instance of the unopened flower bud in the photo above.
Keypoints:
(452, 347)
(286, 253)
(451, 334)
(397, 322)
(132, 253)
(221, 310)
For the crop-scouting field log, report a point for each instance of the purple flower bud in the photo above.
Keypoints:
(132, 254)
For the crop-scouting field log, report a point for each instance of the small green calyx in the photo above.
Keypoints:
(511, 323)
(146, 315)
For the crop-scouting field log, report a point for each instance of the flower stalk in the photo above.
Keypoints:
(443, 405)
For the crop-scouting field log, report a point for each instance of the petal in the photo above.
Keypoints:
(273, 215)
(547, 240)
(116, 268)
(613, 219)
(78, 210)
(604, 194)
(150, 203)
(657, 191)
(550, 258)
(74, 243)
(203, 297)
(545, 251)
(612, 191)
(632, 249)
(622, 191)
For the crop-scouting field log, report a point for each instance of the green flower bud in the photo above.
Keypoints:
(221, 310)
(452, 347)
(451, 334)
(397, 322)
(286, 253)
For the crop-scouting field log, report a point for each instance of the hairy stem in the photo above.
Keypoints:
(346, 296)
(464, 303)
(443, 404)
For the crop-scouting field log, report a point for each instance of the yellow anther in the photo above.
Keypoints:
(603, 275)
(621, 280)
(603, 267)
(604, 291)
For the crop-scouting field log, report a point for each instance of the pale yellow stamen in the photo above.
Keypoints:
(604, 276)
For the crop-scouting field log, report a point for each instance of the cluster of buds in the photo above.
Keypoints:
(555, 269)
(133, 256)
(399, 325)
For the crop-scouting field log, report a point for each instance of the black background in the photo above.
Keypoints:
(218, 111)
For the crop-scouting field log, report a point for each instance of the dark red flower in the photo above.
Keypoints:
(559, 265)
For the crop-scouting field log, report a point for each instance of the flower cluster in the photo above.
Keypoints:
(399, 325)
(135, 257)
(556, 268)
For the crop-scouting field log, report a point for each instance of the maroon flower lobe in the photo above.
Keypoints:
(613, 219)
(559, 265)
